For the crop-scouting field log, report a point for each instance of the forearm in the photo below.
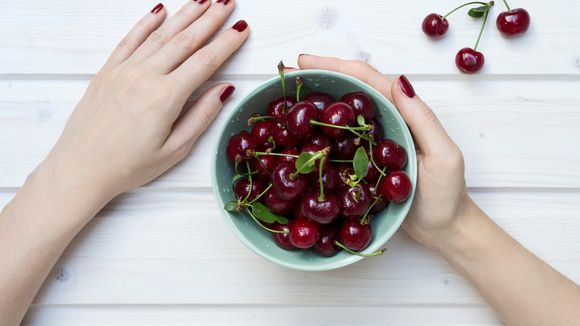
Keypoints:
(521, 288)
(35, 228)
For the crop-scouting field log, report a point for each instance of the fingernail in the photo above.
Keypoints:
(240, 26)
(406, 86)
(226, 93)
(224, 2)
(199, 2)
(157, 8)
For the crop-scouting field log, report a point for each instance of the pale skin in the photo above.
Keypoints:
(129, 128)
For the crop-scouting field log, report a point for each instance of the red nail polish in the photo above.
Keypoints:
(224, 2)
(240, 26)
(227, 93)
(406, 86)
(200, 2)
(157, 8)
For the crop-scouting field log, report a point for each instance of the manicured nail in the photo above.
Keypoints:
(226, 93)
(406, 86)
(224, 2)
(157, 8)
(199, 2)
(240, 26)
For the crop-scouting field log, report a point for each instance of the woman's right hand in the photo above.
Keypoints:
(441, 197)
(129, 126)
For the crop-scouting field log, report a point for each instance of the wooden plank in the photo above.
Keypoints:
(174, 247)
(513, 133)
(64, 37)
(222, 315)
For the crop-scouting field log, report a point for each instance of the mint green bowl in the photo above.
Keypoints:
(384, 224)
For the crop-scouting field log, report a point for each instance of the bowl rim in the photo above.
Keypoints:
(377, 242)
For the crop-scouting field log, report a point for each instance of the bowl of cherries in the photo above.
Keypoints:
(315, 170)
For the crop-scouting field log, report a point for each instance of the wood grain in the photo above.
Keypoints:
(240, 315)
(75, 37)
(511, 136)
(152, 247)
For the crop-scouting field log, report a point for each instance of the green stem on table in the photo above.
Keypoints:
(506, 5)
(376, 253)
(464, 5)
(482, 27)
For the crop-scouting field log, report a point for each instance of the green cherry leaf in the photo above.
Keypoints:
(305, 163)
(360, 163)
(361, 121)
(232, 206)
(264, 214)
(478, 12)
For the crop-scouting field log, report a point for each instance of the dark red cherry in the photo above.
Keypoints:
(320, 140)
(354, 201)
(277, 110)
(321, 211)
(435, 26)
(298, 119)
(355, 236)
(303, 233)
(277, 205)
(361, 103)
(288, 159)
(326, 246)
(242, 187)
(343, 173)
(514, 22)
(381, 203)
(240, 146)
(337, 114)
(345, 147)
(373, 173)
(329, 179)
(286, 186)
(265, 165)
(282, 239)
(395, 187)
(282, 137)
(377, 131)
(321, 100)
(469, 61)
(389, 154)
(262, 131)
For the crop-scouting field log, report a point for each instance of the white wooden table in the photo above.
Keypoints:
(162, 254)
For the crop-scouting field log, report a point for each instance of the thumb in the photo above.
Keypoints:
(427, 130)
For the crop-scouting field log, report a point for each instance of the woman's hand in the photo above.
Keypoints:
(441, 196)
(129, 127)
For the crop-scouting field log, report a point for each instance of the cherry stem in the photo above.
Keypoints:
(318, 155)
(383, 173)
(506, 5)
(283, 82)
(373, 159)
(261, 194)
(249, 178)
(483, 25)
(376, 253)
(341, 161)
(364, 219)
(320, 167)
(257, 154)
(257, 118)
(262, 225)
(464, 5)
(318, 123)
(299, 85)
